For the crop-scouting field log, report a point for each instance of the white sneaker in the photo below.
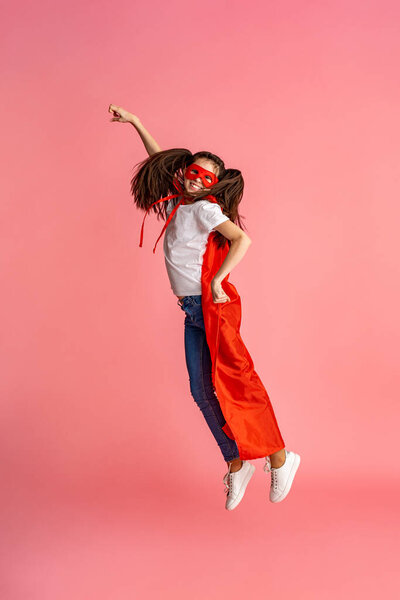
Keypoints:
(282, 477)
(236, 483)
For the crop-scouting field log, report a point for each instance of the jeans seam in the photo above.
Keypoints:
(204, 391)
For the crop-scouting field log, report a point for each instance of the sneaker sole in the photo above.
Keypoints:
(242, 488)
(292, 474)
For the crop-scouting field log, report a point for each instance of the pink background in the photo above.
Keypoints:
(111, 481)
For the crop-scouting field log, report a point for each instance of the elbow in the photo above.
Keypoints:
(248, 240)
(242, 238)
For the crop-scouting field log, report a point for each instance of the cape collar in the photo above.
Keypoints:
(178, 186)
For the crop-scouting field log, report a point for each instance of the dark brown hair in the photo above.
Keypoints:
(154, 177)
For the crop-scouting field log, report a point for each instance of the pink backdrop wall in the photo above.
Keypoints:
(111, 478)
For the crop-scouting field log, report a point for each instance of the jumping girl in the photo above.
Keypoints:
(204, 240)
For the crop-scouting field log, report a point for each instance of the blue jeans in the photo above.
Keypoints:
(198, 362)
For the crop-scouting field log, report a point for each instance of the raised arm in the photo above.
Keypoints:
(123, 116)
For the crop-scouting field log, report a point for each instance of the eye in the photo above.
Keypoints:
(208, 178)
(194, 171)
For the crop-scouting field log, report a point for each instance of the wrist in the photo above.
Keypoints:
(134, 121)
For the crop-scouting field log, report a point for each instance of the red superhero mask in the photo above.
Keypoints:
(194, 171)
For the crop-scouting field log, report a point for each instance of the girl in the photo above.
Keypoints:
(202, 245)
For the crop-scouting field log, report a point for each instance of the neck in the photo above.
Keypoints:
(187, 199)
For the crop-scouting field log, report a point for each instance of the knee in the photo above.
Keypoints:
(199, 395)
(204, 395)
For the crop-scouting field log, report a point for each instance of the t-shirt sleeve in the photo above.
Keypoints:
(211, 215)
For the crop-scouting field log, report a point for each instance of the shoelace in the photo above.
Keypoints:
(269, 469)
(228, 477)
(267, 466)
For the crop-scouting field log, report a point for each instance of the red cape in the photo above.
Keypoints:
(245, 404)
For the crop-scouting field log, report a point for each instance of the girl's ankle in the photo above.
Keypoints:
(236, 465)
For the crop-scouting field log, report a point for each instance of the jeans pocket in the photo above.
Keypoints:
(184, 306)
(194, 312)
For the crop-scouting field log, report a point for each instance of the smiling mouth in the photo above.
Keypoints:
(194, 186)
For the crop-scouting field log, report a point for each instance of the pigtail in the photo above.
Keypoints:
(229, 193)
(153, 177)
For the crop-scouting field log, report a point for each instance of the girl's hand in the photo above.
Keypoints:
(218, 294)
(122, 115)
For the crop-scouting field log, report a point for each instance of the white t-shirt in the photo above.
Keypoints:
(185, 242)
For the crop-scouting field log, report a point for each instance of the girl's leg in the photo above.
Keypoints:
(198, 362)
(236, 465)
(278, 458)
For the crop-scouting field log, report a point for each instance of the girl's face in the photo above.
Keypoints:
(195, 185)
